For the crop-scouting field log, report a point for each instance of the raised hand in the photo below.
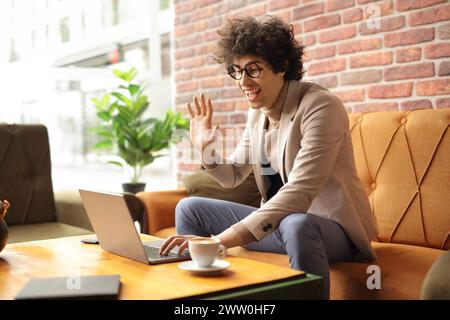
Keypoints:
(201, 130)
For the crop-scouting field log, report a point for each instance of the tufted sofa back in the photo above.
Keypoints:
(403, 159)
(25, 174)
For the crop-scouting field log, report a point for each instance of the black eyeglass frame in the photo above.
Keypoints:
(241, 70)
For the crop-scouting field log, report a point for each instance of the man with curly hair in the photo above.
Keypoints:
(314, 207)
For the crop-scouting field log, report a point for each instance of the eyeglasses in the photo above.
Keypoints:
(252, 69)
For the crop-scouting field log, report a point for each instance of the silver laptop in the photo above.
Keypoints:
(116, 232)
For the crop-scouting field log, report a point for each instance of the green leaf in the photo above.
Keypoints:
(105, 116)
(103, 144)
(119, 74)
(117, 163)
(132, 73)
(133, 89)
(122, 98)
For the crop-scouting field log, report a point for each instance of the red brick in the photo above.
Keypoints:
(327, 66)
(189, 41)
(213, 83)
(377, 10)
(408, 37)
(432, 15)
(210, 71)
(309, 40)
(361, 77)
(338, 34)
(230, 93)
(241, 105)
(220, 119)
(407, 55)
(181, 54)
(322, 22)
(327, 81)
(204, 3)
(184, 30)
(444, 68)
(375, 106)
(352, 15)
(372, 59)
(333, 5)
(193, 63)
(185, 7)
(297, 27)
(285, 16)
(351, 95)
(308, 11)
(386, 8)
(359, 45)
(385, 25)
(416, 104)
(324, 52)
(211, 35)
(404, 5)
(215, 22)
(187, 86)
(223, 106)
(421, 70)
(201, 26)
(433, 87)
(255, 11)
(396, 90)
(444, 31)
(203, 14)
(201, 50)
(238, 118)
(438, 50)
(443, 103)
(182, 76)
(280, 4)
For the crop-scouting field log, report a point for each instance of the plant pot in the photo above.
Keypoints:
(133, 187)
(3, 234)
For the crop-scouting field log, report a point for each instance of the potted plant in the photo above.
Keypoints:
(134, 139)
(4, 206)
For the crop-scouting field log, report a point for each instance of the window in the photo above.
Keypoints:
(13, 56)
(64, 30)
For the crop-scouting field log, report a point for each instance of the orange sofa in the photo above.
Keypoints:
(403, 159)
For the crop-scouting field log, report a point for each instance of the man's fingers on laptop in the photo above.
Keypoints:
(183, 247)
(168, 245)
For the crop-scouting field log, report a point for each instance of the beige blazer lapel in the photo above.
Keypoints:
(289, 110)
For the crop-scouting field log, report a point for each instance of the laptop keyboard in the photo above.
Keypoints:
(153, 253)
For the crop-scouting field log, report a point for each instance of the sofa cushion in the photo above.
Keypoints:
(403, 269)
(25, 172)
(436, 285)
(402, 159)
(200, 184)
(42, 231)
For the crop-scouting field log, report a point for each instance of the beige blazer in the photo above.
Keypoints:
(316, 162)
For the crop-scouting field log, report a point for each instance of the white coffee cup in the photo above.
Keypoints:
(204, 251)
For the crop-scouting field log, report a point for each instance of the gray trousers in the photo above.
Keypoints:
(310, 241)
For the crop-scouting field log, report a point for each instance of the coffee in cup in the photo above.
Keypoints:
(204, 251)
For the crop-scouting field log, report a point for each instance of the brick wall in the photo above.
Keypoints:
(375, 55)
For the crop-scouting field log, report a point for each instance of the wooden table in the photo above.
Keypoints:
(65, 257)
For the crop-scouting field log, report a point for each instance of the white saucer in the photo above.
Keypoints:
(218, 265)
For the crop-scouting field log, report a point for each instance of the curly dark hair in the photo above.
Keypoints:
(269, 38)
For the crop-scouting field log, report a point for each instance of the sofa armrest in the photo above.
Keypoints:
(159, 207)
(436, 285)
(70, 209)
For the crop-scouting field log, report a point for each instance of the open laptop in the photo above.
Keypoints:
(116, 232)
